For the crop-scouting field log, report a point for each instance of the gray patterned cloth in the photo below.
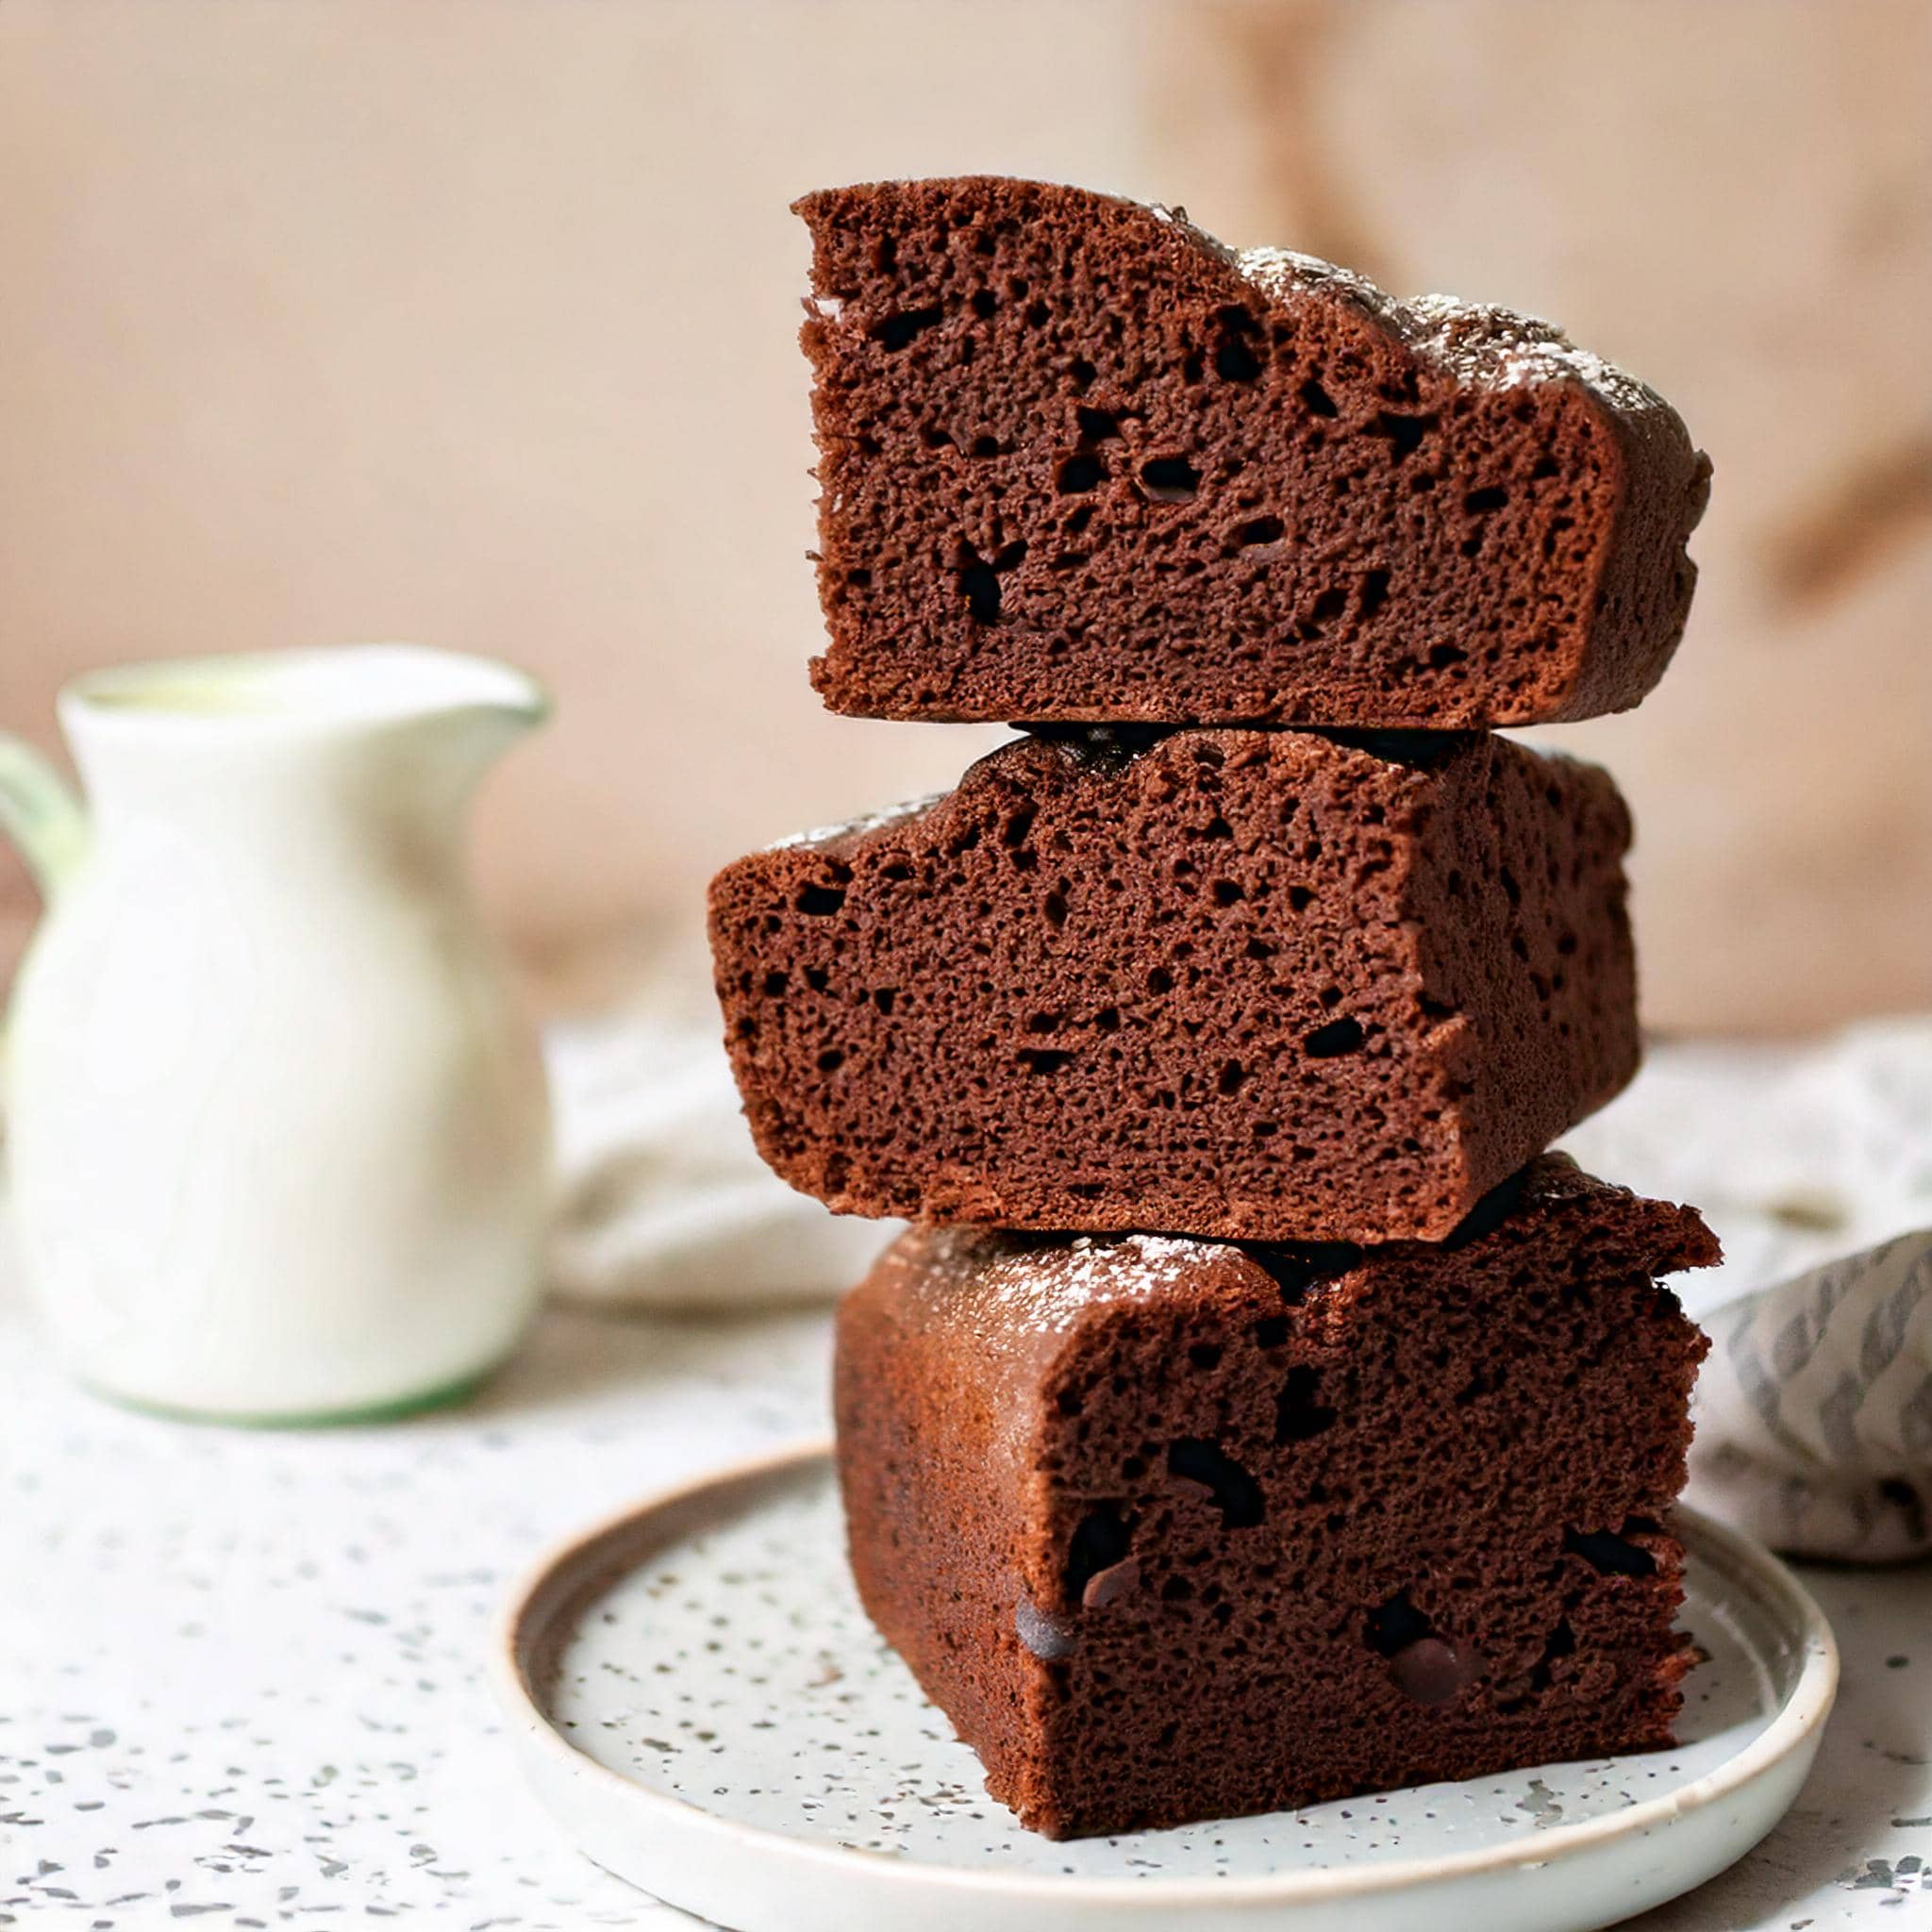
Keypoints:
(1814, 1410)
(1813, 1163)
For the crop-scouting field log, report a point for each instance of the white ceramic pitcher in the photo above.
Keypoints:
(278, 1132)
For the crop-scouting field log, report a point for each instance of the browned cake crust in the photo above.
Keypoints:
(1175, 1530)
(1257, 985)
(1080, 461)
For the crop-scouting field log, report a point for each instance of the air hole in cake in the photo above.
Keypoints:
(1217, 827)
(884, 254)
(980, 586)
(1545, 468)
(1404, 433)
(1327, 609)
(1079, 473)
(885, 998)
(1297, 1414)
(1160, 980)
(831, 1060)
(820, 902)
(985, 446)
(1078, 520)
(1510, 888)
(1373, 593)
(1609, 1553)
(1489, 1214)
(1228, 891)
(1271, 1331)
(1394, 1626)
(1234, 361)
(1300, 898)
(1169, 479)
(859, 578)
(1038, 315)
(1230, 1078)
(1045, 1060)
(1016, 828)
(1097, 426)
(1489, 499)
(1055, 906)
(1443, 655)
(1561, 1641)
(775, 984)
(1229, 1487)
(984, 302)
(895, 331)
(1297, 1268)
(817, 978)
(1048, 1021)
(1011, 556)
(1204, 1355)
(1317, 399)
(1331, 1041)
(1193, 366)
(1101, 1539)
(1259, 531)
(935, 437)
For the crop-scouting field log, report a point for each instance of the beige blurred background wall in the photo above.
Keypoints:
(472, 320)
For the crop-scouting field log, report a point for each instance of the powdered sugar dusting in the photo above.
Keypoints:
(857, 827)
(1473, 341)
(1028, 1287)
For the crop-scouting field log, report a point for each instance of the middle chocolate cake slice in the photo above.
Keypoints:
(1246, 984)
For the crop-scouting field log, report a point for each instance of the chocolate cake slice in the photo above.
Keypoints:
(1174, 1530)
(1080, 461)
(1257, 985)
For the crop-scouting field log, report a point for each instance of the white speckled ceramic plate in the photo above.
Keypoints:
(699, 1699)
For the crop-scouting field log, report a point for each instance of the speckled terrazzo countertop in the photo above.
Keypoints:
(239, 1674)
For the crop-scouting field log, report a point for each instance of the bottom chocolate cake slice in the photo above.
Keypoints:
(1175, 1529)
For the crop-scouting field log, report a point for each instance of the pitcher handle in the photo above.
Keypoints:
(40, 812)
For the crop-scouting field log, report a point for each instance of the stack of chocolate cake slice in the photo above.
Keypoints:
(1256, 1413)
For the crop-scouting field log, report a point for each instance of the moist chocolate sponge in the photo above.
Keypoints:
(1079, 462)
(1174, 1530)
(1245, 984)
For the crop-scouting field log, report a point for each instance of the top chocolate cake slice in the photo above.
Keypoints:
(1079, 462)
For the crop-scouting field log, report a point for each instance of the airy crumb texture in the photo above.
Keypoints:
(1252, 985)
(1174, 1530)
(1079, 462)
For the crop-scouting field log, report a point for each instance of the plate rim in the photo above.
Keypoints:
(1793, 1728)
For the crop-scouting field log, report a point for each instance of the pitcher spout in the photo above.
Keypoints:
(221, 749)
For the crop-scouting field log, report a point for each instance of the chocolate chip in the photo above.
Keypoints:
(1049, 1638)
(1433, 1670)
(1108, 1585)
